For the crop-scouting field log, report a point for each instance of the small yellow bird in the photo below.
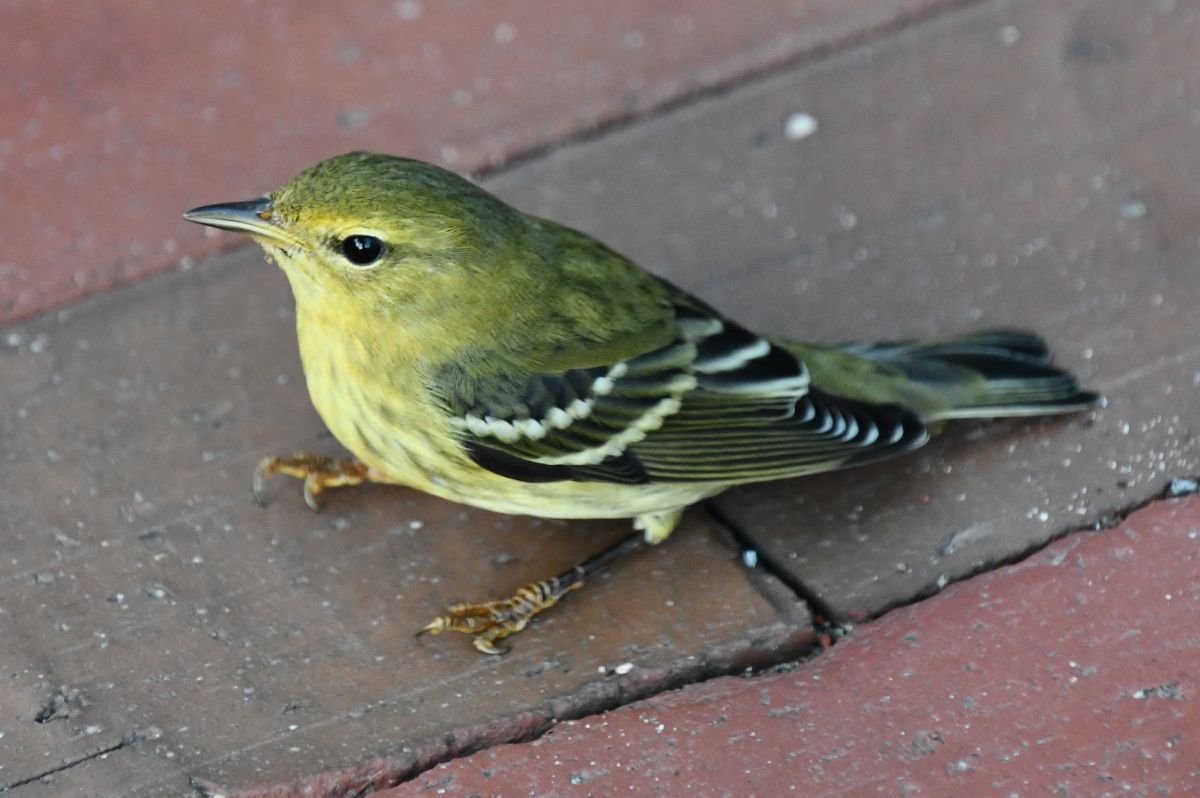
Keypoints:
(466, 349)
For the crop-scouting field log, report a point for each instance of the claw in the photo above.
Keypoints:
(317, 471)
(311, 488)
(485, 646)
(484, 631)
(262, 472)
(494, 620)
(434, 627)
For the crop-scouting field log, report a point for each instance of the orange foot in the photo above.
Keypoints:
(490, 621)
(318, 472)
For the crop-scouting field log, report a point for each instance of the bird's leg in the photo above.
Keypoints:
(657, 527)
(491, 621)
(318, 472)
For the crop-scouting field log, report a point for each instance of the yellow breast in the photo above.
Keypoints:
(385, 415)
(394, 431)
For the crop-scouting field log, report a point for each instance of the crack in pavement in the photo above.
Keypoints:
(127, 741)
(613, 695)
(828, 626)
(721, 87)
(831, 626)
(761, 649)
(826, 622)
(1176, 488)
(763, 654)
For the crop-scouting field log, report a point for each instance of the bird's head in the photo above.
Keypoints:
(375, 233)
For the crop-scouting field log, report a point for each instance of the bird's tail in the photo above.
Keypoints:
(982, 375)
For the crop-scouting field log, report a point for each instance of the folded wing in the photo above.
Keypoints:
(715, 404)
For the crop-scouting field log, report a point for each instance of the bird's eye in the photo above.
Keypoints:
(362, 250)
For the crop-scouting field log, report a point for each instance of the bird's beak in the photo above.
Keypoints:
(254, 217)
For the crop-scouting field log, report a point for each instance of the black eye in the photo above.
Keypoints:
(362, 250)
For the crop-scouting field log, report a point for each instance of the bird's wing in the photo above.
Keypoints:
(715, 403)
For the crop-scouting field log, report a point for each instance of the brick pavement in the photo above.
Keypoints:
(1004, 162)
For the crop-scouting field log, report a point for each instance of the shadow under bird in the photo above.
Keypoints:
(466, 349)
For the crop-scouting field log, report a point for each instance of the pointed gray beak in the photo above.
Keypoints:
(253, 217)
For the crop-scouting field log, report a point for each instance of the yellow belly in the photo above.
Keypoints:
(411, 443)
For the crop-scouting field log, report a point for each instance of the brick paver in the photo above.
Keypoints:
(118, 114)
(1075, 673)
(957, 179)
(243, 645)
(1008, 163)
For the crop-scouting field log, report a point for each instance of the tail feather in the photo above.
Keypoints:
(985, 374)
(1011, 343)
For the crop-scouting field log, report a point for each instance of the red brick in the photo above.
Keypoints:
(245, 645)
(956, 181)
(120, 115)
(1076, 672)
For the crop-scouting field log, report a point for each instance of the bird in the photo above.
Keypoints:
(461, 347)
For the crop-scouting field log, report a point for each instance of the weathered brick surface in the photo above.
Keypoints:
(118, 115)
(244, 645)
(1011, 164)
(1073, 673)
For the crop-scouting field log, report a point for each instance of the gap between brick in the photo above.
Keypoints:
(621, 120)
(588, 701)
(754, 74)
(125, 742)
(1178, 487)
(825, 620)
(830, 627)
(770, 649)
(826, 624)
